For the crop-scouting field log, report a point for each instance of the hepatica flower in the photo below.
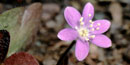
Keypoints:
(84, 30)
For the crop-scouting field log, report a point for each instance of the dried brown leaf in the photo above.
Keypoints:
(21, 58)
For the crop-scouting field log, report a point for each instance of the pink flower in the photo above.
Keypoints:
(84, 30)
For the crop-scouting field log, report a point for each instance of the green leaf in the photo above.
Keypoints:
(22, 24)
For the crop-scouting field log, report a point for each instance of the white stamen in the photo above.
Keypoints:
(81, 23)
(93, 36)
(97, 28)
(89, 15)
(91, 21)
(92, 29)
(98, 24)
(91, 25)
(87, 39)
(81, 19)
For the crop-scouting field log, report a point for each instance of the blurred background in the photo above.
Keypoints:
(47, 48)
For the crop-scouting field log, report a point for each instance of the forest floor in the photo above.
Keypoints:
(48, 48)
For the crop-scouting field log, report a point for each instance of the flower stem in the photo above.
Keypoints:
(60, 61)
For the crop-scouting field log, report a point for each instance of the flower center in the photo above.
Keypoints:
(84, 32)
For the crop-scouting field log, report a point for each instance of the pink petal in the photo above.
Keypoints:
(67, 34)
(72, 16)
(81, 50)
(103, 27)
(88, 9)
(102, 41)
